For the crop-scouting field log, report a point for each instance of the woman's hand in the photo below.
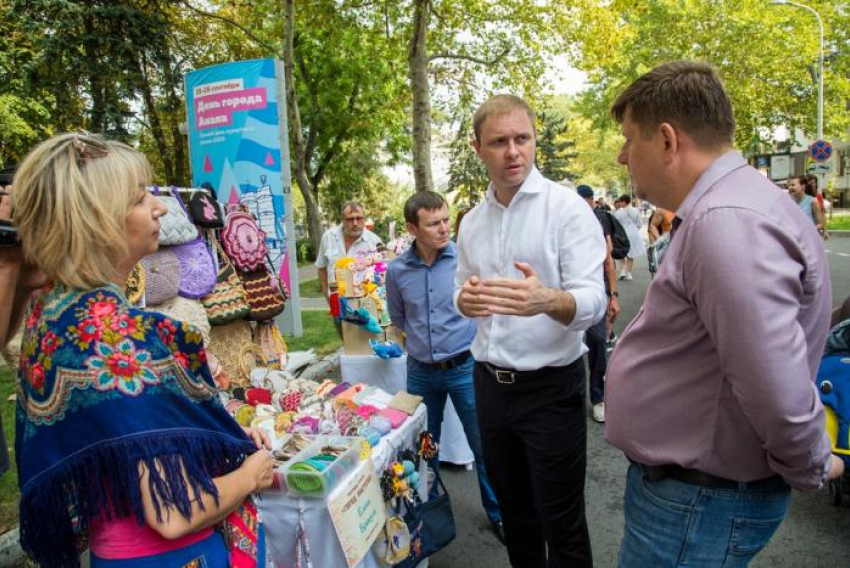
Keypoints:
(260, 437)
(258, 468)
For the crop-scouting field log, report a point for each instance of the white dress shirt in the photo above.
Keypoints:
(552, 229)
(332, 248)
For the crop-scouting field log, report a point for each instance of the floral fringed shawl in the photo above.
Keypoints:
(102, 387)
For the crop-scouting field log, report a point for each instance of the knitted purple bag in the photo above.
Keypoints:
(197, 269)
(162, 276)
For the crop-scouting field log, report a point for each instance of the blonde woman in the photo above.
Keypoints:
(121, 441)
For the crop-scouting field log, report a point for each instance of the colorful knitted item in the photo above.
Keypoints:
(290, 401)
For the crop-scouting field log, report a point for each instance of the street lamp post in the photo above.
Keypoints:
(820, 58)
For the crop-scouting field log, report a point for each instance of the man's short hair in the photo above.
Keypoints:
(626, 198)
(350, 205)
(585, 191)
(428, 200)
(686, 94)
(498, 105)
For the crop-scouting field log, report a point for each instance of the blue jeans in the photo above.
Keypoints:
(670, 523)
(434, 385)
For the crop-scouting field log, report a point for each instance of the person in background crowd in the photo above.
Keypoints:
(597, 335)
(629, 218)
(121, 438)
(530, 273)
(803, 190)
(346, 239)
(420, 292)
(716, 422)
(660, 223)
(601, 204)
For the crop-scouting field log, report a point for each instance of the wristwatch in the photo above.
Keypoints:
(613, 294)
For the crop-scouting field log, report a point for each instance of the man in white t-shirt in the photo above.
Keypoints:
(346, 239)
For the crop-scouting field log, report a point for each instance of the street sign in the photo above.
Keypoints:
(820, 150)
(819, 168)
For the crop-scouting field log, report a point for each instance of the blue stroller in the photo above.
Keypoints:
(833, 381)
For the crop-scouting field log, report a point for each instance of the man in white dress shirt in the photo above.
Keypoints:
(530, 271)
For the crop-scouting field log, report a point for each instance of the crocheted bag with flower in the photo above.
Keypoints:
(243, 241)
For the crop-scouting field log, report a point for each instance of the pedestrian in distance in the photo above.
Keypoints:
(346, 239)
(420, 299)
(597, 335)
(629, 217)
(803, 190)
(530, 272)
(710, 392)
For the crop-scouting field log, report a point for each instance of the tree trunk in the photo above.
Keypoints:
(417, 62)
(175, 108)
(156, 125)
(300, 159)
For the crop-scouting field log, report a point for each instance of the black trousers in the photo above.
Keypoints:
(534, 436)
(597, 360)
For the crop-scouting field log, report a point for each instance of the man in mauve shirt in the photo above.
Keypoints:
(710, 392)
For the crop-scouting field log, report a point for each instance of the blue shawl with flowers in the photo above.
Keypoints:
(102, 387)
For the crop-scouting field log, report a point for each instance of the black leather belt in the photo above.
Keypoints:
(450, 363)
(510, 376)
(695, 477)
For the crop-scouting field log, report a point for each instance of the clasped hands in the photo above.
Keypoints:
(527, 296)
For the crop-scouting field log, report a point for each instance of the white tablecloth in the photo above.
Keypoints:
(391, 375)
(281, 513)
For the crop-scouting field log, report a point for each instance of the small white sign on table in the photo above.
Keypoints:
(358, 512)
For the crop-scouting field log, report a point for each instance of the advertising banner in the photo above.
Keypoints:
(238, 143)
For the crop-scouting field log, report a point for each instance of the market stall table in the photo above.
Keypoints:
(391, 375)
(284, 516)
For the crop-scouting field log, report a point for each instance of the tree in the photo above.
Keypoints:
(344, 86)
(457, 42)
(108, 66)
(468, 177)
(555, 151)
(762, 53)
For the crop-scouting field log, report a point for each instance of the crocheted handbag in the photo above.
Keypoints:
(243, 241)
(262, 295)
(231, 343)
(227, 302)
(197, 269)
(205, 210)
(175, 227)
(162, 276)
(272, 346)
(188, 311)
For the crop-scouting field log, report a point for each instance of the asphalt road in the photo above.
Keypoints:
(814, 534)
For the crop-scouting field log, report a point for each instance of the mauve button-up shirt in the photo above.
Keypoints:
(420, 302)
(716, 372)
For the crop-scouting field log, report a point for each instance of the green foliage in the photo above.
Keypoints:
(838, 223)
(761, 51)
(306, 254)
(555, 151)
(467, 175)
(9, 494)
(310, 289)
(319, 333)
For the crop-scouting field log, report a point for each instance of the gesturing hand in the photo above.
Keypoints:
(517, 297)
(470, 301)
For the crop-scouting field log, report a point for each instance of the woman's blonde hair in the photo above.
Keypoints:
(70, 200)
